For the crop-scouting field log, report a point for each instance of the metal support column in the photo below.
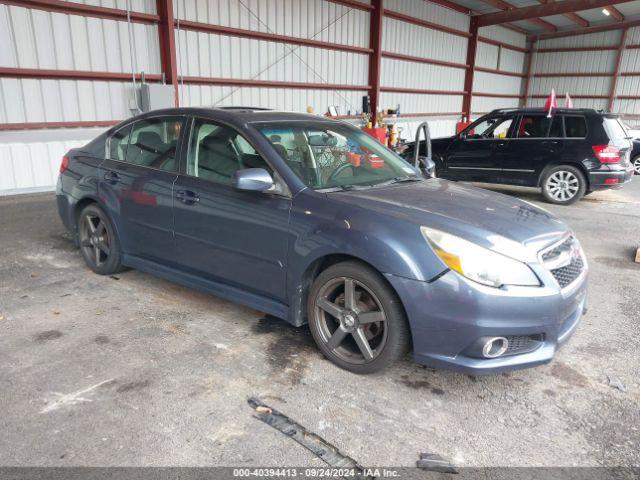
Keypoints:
(168, 44)
(472, 47)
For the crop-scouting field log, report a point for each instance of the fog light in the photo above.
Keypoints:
(610, 181)
(494, 347)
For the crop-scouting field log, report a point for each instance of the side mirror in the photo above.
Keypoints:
(427, 167)
(252, 179)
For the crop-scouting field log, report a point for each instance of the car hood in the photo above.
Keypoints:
(496, 221)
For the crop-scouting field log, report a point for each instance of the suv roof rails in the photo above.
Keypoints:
(540, 109)
(245, 109)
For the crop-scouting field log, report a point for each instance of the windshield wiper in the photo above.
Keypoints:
(339, 188)
(397, 180)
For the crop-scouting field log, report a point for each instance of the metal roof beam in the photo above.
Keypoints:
(615, 13)
(537, 11)
(584, 31)
(574, 17)
(505, 6)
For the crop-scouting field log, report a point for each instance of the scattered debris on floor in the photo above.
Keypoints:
(435, 463)
(316, 444)
(615, 382)
(74, 398)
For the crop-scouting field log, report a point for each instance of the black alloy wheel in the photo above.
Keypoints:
(98, 243)
(356, 319)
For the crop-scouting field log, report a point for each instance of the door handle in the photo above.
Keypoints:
(112, 177)
(187, 197)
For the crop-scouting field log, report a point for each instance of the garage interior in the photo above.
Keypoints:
(130, 370)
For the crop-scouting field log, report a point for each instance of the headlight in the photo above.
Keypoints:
(478, 263)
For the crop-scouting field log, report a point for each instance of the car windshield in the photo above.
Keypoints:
(326, 155)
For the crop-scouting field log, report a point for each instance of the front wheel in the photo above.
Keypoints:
(356, 319)
(99, 243)
(636, 164)
(563, 185)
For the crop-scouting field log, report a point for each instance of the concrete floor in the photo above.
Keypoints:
(132, 370)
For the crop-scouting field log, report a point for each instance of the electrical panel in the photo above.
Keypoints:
(156, 96)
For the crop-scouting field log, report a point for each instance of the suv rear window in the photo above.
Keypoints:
(575, 126)
(614, 129)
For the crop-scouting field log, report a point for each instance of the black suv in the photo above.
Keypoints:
(573, 153)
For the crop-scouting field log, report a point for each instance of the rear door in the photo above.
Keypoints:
(536, 142)
(136, 185)
(474, 155)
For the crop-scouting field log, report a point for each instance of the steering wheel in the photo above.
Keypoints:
(338, 171)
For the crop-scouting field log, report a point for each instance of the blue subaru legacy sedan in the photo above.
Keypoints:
(311, 220)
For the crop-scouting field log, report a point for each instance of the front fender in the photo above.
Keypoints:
(324, 228)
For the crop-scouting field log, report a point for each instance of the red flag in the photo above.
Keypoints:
(551, 103)
(567, 101)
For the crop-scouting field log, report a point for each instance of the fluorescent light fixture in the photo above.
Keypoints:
(606, 12)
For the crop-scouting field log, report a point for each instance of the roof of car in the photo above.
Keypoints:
(555, 110)
(240, 114)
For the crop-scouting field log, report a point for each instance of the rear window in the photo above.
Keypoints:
(575, 127)
(614, 129)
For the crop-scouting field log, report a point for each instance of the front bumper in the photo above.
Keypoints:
(449, 314)
(610, 177)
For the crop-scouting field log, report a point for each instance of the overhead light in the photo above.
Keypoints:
(606, 12)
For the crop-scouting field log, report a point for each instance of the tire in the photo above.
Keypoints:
(636, 164)
(563, 185)
(99, 244)
(365, 334)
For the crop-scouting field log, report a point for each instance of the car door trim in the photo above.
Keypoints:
(494, 169)
(474, 168)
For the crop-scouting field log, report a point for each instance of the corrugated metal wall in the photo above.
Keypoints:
(592, 62)
(498, 58)
(208, 55)
(630, 62)
(37, 39)
(32, 38)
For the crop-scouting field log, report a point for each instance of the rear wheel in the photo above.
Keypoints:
(563, 185)
(356, 319)
(99, 244)
(636, 164)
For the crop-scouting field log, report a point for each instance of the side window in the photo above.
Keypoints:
(556, 127)
(118, 144)
(490, 128)
(575, 126)
(533, 126)
(216, 152)
(154, 141)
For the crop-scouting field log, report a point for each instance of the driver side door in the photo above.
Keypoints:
(239, 238)
(475, 154)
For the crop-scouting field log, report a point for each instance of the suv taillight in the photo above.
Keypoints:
(65, 164)
(607, 153)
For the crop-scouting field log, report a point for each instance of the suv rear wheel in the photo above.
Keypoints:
(636, 164)
(563, 185)
(356, 318)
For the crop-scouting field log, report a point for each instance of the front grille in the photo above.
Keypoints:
(564, 261)
(522, 343)
(557, 250)
(566, 275)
